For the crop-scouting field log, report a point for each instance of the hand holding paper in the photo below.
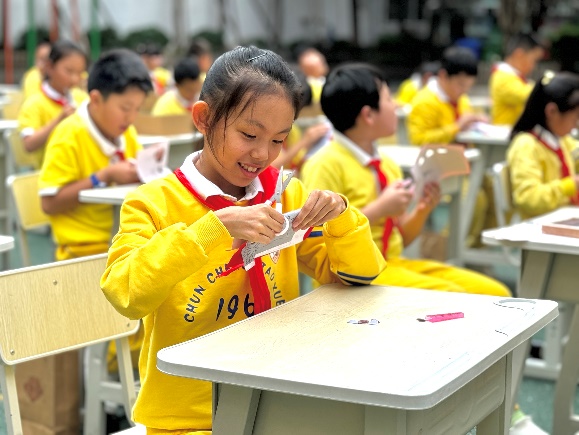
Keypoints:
(152, 162)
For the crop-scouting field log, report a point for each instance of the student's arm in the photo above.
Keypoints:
(310, 137)
(412, 223)
(531, 194)
(40, 136)
(392, 202)
(66, 198)
(342, 250)
(424, 126)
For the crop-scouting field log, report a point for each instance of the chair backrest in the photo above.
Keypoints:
(502, 192)
(10, 110)
(24, 189)
(21, 157)
(54, 308)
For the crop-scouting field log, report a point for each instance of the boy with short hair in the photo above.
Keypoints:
(420, 78)
(357, 101)
(180, 100)
(508, 84)
(442, 109)
(93, 148)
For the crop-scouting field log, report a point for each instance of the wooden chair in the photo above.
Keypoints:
(20, 158)
(24, 191)
(11, 110)
(70, 312)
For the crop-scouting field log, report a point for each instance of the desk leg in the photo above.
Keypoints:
(499, 421)
(535, 269)
(236, 410)
(477, 172)
(564, 419)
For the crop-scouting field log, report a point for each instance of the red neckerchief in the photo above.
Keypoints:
(455, 108)
(495, 68)
(564, 167)
(120, 155)
(259, 288)
(389, 224)
(61, 101)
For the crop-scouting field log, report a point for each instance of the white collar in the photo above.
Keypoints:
(362, 156)
(547, 137)
(416, 79)
(207, 188)
(53, 94)
(186, 104)
(107, 147)
(505, 67)
(434, 86)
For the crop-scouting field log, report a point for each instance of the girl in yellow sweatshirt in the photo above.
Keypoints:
(542, 169)
(176, 233)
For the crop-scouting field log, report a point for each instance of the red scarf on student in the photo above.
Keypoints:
(564, 167)
(389, 224)
(259, 288)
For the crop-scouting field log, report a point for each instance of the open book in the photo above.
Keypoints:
(152, 162)
(437, 162)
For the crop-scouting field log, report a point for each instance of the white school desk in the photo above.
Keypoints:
(492, 148)
(6, 243)
(549, 269)
(180, 145)
(405, 156)
(301, 368)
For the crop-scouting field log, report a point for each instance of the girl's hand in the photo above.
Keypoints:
(321, 206)
(255, 223)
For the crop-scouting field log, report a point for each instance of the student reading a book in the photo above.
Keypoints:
(34, 76)
(420, 78)
(542, 169)
(301, 143)
(180, 99)
(58, 99)
(178, 232)
(357, 101)
(509, 84)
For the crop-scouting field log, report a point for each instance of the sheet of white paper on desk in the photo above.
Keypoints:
(152, 162)
(437, 162)
(521, 232)
(490, 130)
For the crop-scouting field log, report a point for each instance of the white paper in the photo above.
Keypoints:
(490, 130)
(435, 163)
(152, 162)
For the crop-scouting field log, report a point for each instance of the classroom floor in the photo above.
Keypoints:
(535, 396)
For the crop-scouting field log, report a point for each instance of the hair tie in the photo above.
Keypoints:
(547, 77)
(255, 57)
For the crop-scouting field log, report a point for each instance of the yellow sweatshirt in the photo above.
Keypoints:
(535, 173)
(433, 120)
(163, 266)
(509, 94)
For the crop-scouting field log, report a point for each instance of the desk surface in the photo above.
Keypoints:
(405, 155)
(528, 234)
(307, 347)
(8, 124)
(175, 139)
(114, 195)
(6, 243)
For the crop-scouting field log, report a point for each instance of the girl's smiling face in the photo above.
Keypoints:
(250, 141)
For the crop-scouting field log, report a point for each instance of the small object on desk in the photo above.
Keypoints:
(441, 317)
(364, 322)
(567, 228)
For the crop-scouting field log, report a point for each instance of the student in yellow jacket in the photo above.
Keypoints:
(178, 232)
(410, 87)
(442, 109)
(357, 101)
(542, 168)
(58, 97)
(33, 78)
(180, 99)
(509, 84)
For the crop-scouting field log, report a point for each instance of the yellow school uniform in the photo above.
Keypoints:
(509, 92)
(408, 90)
(535, 171)
(161, 78)
(179, 246)
(432, 119)
(31, 82)
(73, 153)
(316, 85)
(342, 167)
(170, 103)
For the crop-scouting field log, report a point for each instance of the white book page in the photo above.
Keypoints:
(152, 162)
